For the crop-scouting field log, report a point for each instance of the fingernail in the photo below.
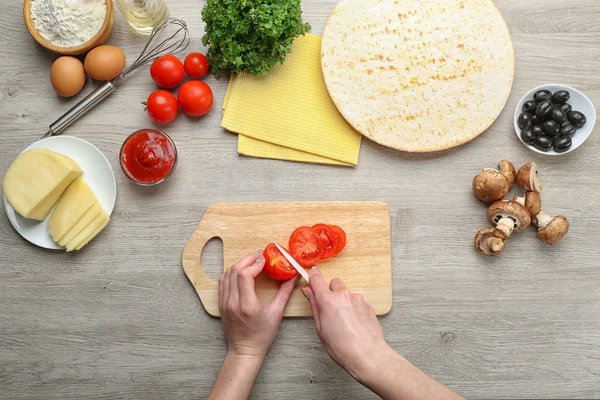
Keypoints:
(313, 267)
(258, 251)
(259, 259)
(305, 293)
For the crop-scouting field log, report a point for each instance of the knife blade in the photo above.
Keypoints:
(294, 263)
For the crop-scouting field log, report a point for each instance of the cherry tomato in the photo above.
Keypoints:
(195, 98)
(276, 264)
(341, 238)
(195, 65)
(306, 247)
(167, 71)
(162, 106)
(328, 238)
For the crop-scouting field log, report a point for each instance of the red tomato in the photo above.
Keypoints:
(195, 65)
(162, 106)
(328, 238)
(341, 238)
(167, 71)
(306, 246)
(195, 98)
(276, 264)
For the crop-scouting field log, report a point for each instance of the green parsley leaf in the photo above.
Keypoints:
(250, 35)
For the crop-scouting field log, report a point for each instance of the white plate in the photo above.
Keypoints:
(96, 171)
(578, 101)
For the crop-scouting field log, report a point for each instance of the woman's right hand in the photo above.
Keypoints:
(346, 324)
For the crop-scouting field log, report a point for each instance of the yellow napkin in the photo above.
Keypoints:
(288, 114)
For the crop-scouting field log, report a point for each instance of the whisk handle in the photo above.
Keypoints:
(91, 100)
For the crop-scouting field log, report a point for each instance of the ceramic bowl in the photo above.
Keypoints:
(578, 101)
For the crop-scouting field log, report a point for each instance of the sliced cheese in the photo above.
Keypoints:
(89, 230)
(93, 235)
(71, 208)
(83, 223)
(36, 180)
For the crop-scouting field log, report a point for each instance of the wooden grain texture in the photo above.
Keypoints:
(365, 265)
(121, 320)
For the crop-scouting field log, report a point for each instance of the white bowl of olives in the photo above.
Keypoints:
(554, 119)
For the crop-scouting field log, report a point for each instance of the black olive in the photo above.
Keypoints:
(529, 106)
(558, 116)
(543, 143)
(565, 107)
(537, 130)
(535, 120)
(562, 144)
(551, 128)
(542, 95)
(567, 130)
(524, 120)
(561, 97)
(527, 135)
(577, 118)
(544, 109)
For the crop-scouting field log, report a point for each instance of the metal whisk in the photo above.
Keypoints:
(169, 35)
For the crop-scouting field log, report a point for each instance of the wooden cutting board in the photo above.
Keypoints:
(365, 265)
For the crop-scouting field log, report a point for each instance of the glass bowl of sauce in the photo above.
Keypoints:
(148, 157)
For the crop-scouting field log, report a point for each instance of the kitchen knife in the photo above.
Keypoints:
(294, 263)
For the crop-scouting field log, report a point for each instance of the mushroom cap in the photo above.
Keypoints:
(507, 169)
(490, 185)
(554, 231)
(527, 178)
(533, 202)
(509, 209)
(482, 243)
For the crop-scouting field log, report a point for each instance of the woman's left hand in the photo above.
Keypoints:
(250, 328)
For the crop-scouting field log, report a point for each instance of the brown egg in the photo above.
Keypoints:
(104, 62)
(67, 76)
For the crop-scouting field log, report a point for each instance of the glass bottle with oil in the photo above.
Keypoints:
(143, 14)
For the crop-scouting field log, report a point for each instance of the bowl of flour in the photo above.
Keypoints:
(69, 27)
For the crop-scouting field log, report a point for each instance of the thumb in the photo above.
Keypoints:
(282, 296)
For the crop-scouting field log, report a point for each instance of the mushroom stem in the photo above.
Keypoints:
(496, 244)
(542, 219)
(504, 228)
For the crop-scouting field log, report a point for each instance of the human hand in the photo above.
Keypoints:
(346, 324)
(249, 327)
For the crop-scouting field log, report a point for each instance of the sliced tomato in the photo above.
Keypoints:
(341, 238)
(328, 238)
(306, 247)
(276, 265)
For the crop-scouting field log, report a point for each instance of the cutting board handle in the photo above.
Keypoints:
(192, 265)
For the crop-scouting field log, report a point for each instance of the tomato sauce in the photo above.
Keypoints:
(148, 156)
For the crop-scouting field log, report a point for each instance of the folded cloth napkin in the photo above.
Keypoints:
(288, 114)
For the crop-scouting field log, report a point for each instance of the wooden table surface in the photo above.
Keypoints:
(120, 319)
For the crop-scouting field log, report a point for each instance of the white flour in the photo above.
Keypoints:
(68, 23)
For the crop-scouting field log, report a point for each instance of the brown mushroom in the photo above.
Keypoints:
(488, 244)
(531, 201)
(528, 179)
(508, 216)
(550, 229)
(490, 184)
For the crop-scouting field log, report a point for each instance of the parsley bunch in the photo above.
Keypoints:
(250, 35)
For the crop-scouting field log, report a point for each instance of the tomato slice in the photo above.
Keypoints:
(276, 265)
(306, 247)
(328, 238)
(341, 238)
